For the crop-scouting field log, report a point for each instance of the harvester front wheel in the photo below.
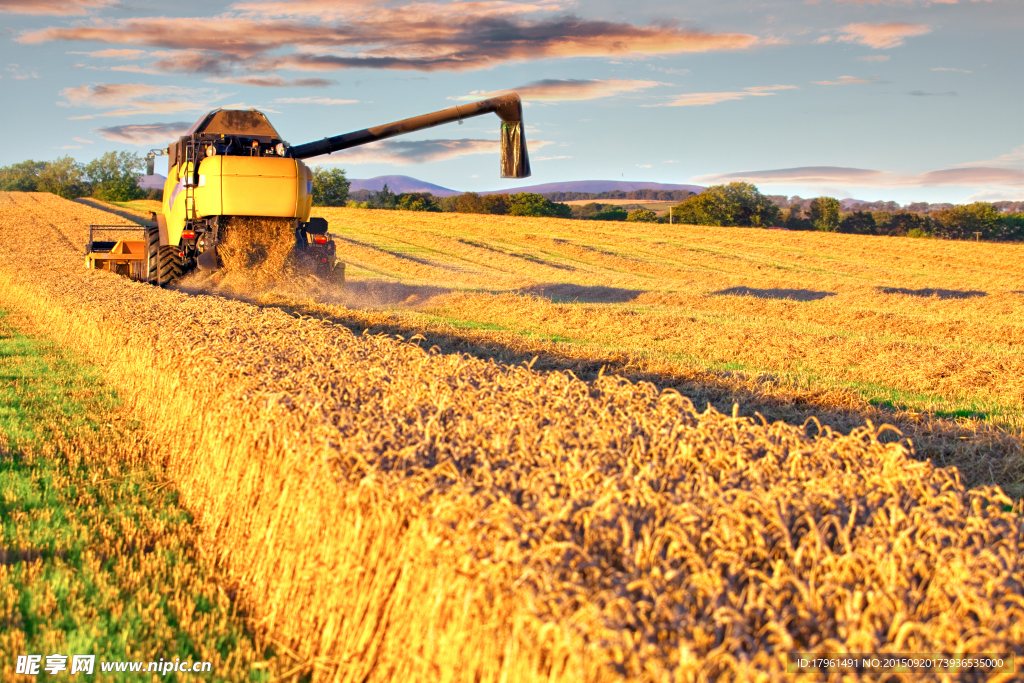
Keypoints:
(170, 267)
(152, 255)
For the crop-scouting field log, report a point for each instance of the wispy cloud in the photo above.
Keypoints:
(1012, 158)
(144, 135)
(922, 93)
(907, 2)
(277, 82)
(861, 177)
(126, 99)
(699, 99)
(312, 100)
(557, 90)
(814, 175)
(874, 58)
(847, 80)
(20, 74)
(113, 53)
(406, 152)
(973, 177)
(947, 68)
(882, 36)
(351, 10)
(56, 7)
(422, 36)
(88, 142)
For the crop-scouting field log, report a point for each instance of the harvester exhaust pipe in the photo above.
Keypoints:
(515, 161)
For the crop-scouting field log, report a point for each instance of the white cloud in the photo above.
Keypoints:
(312, 100)
(20, 74)
(884, 35)
(129, 99)
(860, 177)
(698, 99)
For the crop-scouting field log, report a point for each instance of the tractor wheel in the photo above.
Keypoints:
(152, 255)
(170, 267)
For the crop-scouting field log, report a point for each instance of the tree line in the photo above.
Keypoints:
(113, 177)
(735, 204)
(741, 204)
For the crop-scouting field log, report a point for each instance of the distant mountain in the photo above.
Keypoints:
(152, 182)
(399, 184)
(403, 183)
(847, 203)
(596, 186)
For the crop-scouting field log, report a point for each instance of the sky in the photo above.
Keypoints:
(902, 100)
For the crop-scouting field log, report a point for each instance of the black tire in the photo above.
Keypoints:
(170, 266)
(152, 255)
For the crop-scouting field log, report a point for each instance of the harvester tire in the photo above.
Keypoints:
(152, 254)
(170, 267)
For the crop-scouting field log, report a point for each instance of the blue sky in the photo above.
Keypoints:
(904, 100)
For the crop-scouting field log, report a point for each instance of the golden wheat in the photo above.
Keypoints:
(392, 513)
(928, 335)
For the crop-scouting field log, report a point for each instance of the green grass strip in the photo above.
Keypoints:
(96, 552)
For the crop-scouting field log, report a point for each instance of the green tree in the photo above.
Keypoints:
(900, 224)
(385, 199)
(961, 222)
(642, 216)
(1011, 226)
(531, 204)
(64, 178)
(469, 202)
(115, 176)
(824, 213)
(610, 212)
(586, 211)
(496, 204)
(21, 177)
(736, 204)
(416, 201)
(330, 187)
(858, 223)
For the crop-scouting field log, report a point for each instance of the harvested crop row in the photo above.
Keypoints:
(395, 514)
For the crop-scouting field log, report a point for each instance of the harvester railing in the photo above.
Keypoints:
(120, 227)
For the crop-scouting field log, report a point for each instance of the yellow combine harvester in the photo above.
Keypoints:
(232, 166)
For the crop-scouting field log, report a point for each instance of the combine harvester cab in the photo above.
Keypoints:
(232, 166)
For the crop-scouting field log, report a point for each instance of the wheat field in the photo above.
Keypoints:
(394, 511)
(926, 335)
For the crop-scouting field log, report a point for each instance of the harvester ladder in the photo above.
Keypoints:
(191, 180)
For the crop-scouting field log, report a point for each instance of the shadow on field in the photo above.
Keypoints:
(790, 294)
(564, 292)
(929, 292)
(12, 557)
(536, 260)
(984, 453)
(133, 217)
